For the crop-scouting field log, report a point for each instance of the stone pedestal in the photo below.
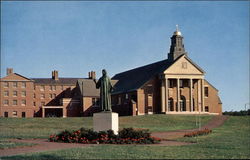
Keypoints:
(104, 121)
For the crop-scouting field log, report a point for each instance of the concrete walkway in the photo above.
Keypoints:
(44, 145)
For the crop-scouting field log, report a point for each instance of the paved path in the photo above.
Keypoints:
(170, 135)
(44, 145)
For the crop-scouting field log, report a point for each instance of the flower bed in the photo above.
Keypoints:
(88, 136)
(198, 133)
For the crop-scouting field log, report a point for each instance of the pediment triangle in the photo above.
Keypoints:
(15, 77)
(184, 65)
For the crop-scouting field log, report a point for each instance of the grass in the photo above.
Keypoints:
(43, 127)
(4, 144)
(231, 141)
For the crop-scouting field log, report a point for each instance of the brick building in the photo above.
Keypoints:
(172, 86)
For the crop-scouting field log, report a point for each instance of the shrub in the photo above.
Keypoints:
(198, 133)
(86, 136)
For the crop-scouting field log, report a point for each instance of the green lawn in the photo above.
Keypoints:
(8, 144)
(231, 141)
(43, 127)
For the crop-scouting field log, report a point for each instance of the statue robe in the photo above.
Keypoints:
(104, 83)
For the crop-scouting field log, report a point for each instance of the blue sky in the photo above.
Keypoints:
(77, 37)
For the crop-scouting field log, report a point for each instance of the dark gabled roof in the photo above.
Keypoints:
(88, 87)
(135, 78)
(60, 81)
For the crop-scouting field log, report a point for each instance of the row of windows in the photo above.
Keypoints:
(51, 87)
(14, 102)
(23, 103)
(14, 84)
(14, 93)
(42, 96)
(14, 114)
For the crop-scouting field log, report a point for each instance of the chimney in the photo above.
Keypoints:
(9, 71)
(92, 75)
(55, 75)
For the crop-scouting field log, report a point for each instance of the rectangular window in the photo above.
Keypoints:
(23, 114)
(23, 93)
(14, 114)
(181, 83)
(119, 100)
(150, 100)
(14, 84)
(34, 95)
(23, 102)
(23, 85)
(184, 65)
(6, 93)
(206, 91)
(52, 88)
(14, 102)
(50, 96)
(6, 114)
(34, 103)
(14, 93)
(206, 109)
(6, 102)
(34, 87)
(42, 96)
(6, 84)
(42, 88)
(126, 96)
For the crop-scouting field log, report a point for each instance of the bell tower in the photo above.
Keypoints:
(177, 47)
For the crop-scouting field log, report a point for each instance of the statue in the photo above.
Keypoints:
(104, 83)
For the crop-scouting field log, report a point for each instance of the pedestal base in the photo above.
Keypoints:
(104, 121)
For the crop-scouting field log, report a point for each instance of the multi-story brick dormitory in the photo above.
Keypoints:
(172, 86)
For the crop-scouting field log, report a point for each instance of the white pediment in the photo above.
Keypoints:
(184, 66)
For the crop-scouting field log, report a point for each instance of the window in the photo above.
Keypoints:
(119, 100)
(14, 93)
(14, 84)
(42, 96)
(170, 83)
(34, 103)
(34, 95)
(23, 114)
(61, 87)
(52, 88)
(206, 109)
(6, 93)
(42, 88)
(6, 114)
(23, 93)
(150, 100)
(34, 87)
(50, 96)
(206, 91)
(14, 102)
(170, 104)
(6, 84)
(181, 83)
(23, 85)
(6, 102)
(23, 102)
(14, 114)
(126, 96)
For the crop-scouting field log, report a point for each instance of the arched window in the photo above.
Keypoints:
(183, 103)
(170, 104)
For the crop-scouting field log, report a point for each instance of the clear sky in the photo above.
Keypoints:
(77, 37)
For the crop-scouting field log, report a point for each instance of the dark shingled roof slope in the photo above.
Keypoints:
(135, 78)
(70, 81)
(88, 87)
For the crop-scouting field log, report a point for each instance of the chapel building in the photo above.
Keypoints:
(175, 85)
